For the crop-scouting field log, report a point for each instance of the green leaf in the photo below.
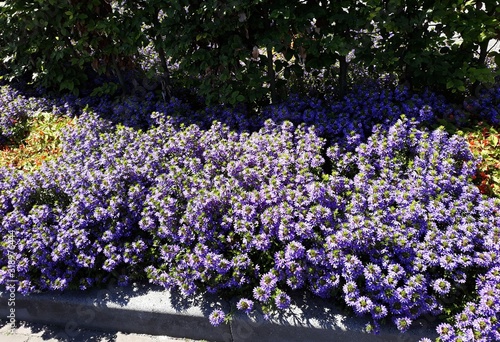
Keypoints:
(201, 36)
(67, 84)
(494, 140)
(482, 37)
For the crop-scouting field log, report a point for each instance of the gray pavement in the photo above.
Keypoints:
(146, 314)
(36, 332)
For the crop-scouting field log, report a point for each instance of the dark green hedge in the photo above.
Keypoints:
(250, 51)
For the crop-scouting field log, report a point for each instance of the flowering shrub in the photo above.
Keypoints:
(349, 200)
(396, 228)
(413, 194)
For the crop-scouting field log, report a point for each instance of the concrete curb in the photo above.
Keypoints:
(155, 311)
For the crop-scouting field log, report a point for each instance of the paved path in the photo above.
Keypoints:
(145, 313)
(29, 332)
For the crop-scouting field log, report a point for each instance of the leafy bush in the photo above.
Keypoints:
(60, 45)
(246, 51)
(484, 142)
(40, 144)
(441, 45)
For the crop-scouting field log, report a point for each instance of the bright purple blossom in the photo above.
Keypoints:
(282, 301)
(441, 286)
(403, 323)
(245, 305)
(216, 317)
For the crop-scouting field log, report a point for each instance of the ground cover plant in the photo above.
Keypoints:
(362, 200)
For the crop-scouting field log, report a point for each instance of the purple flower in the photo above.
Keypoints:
(441, 286)
(379, 311)
(261, 294)
(445, 331)
(245, 305)
(216, 317)
(294, 250)
(268, 281)
(123, 280)
(363, 305)
(403, 323)
(282, 300)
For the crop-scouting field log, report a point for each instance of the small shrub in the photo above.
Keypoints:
(484, 142)
(41, 142)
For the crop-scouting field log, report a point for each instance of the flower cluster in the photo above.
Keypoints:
(479, 319)
(348, 121)
(486, 106)
(363, 204)
(416, 228)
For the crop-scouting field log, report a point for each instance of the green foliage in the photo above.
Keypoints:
(40, 143)
(484, 142)
(58, 44)
(251, 51)
(442, 45)
(216, 47)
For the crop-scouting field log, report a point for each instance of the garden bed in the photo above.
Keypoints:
(363, 202)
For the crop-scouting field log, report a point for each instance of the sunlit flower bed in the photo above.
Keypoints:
(351, 200)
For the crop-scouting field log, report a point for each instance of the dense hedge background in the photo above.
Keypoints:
(250, 51)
